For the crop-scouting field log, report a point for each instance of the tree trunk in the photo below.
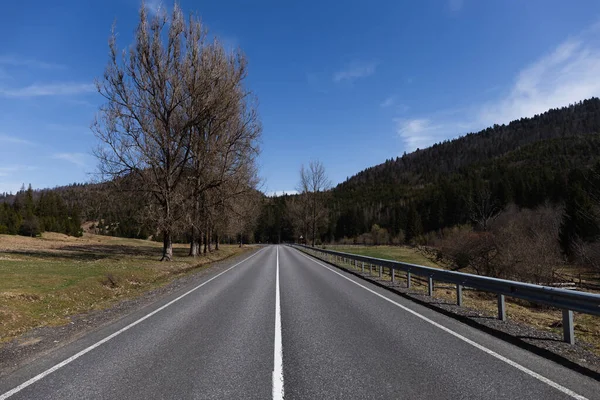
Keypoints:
(194, 245)
(217, 242)
(209, 240)
(314, 218)
(167, 247)
(205, 244)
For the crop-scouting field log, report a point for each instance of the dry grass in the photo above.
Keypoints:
(45, 280)
(587, 327)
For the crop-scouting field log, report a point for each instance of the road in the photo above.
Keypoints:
(280, 323)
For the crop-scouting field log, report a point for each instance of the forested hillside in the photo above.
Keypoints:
(526, 162)
(535, 179)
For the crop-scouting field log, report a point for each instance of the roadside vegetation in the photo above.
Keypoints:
(46, 280)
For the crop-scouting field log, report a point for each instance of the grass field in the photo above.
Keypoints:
(587, 327)
(45, 280)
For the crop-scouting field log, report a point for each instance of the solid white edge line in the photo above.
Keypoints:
(117, 333)
(278, 348)
(529, 372)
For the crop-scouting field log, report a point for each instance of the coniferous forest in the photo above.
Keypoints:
(468, 193)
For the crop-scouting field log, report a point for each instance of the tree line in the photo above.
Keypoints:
(485, 181)
(30, 213)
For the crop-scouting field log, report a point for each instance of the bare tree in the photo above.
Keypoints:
(177, 117)
(483, 208)
(312, 187)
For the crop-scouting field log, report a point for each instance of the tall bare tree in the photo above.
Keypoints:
(178, 117)
(483, 207)
(312, 187)
(225, 144)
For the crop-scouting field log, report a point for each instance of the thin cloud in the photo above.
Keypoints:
(564, 76)
(13, 169)
(154, 6)
(418, 133)
(66, 127)
(18, 61)
(54, 89)
(355, 71)
(388, 102)
(74, 158)
(14, 140)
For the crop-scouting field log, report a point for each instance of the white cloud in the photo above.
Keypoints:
(418, 133)
(74, 158)
(566, 75)
(388, 102)
(53, 89)
(455, 5)
(14, 140)
(17, 61)
(355, 71)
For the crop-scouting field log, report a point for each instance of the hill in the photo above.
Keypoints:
(526, 162)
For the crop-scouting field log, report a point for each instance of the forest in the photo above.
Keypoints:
(532, 186)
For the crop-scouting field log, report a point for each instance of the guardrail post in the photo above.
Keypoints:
(363, 267)
(393, 275)
(408, 279)
(380, 271)
(501, 308)
(430, 286)
(370, 269)
(459, 289)
(568, 327)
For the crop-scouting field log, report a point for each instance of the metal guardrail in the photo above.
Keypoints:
(566, 300)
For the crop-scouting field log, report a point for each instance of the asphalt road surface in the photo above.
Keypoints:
(282, 324)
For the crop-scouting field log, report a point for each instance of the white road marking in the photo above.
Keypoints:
(529, 372)
(106, 339)
(278, 353)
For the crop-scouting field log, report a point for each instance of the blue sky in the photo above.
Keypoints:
(350, 83)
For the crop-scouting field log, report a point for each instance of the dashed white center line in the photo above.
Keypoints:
(278, 356)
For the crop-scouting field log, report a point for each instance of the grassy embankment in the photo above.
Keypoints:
(587, 327)
(45, 280)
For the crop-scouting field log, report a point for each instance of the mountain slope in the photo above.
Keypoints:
(526, 162)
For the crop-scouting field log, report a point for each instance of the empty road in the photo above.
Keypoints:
(282, 324)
